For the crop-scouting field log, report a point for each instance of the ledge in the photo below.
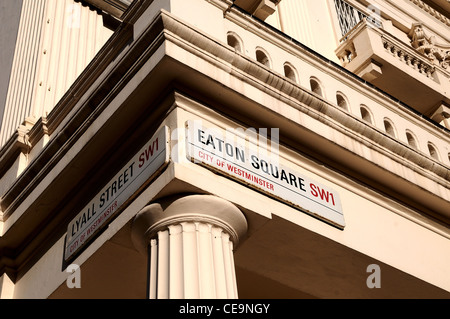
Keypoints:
(116, 8)
(444, 4)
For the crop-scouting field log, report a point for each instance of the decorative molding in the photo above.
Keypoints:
(177, 209)
(245, 68)
(116, 8)
(438, 54)
(347, 54)
(105, 76)
(18, 143)
(431, 11)
(69, 103)
(409, 59)
(38, 131)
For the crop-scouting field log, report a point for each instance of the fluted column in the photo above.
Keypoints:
(190, 243)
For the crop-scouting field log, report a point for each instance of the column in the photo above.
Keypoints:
(190, 241)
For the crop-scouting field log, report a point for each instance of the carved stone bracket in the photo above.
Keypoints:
(259, 8)
(442, 115)
(438, 54)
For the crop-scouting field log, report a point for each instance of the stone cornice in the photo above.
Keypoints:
(431, 11)
(114, 7)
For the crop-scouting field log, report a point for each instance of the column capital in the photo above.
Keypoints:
(173, 210)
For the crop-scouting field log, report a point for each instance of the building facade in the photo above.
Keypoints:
(225, 149)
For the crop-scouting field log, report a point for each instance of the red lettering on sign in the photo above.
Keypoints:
(253, 178)
(153, 147)
(324, 195)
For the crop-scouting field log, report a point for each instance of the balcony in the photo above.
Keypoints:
(400, 69)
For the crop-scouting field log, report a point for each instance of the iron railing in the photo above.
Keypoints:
(349, 16)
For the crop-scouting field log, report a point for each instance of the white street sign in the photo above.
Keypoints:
(117, 192)
(236, 157)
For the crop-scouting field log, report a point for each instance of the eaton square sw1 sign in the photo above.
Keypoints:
(239, 158)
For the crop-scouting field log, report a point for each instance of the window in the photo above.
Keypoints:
(433, 151)
(290, 72)
(234, 41)
(412, 141)
(263, 58)
(316, 87)
(389, 127)
(341, 101)
(365, 114)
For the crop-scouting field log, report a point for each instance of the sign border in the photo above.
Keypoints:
(190, 126)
